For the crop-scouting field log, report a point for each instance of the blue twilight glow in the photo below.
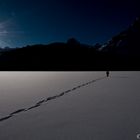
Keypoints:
(24, 22)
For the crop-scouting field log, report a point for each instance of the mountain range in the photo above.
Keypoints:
(122, 52)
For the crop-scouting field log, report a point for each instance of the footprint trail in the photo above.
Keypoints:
(41, 102)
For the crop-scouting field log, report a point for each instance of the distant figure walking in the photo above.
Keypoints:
(107, 73)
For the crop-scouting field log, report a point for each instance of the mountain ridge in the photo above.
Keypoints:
(122, 52)
(126, 42)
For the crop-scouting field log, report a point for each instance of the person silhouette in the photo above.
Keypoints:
(107, 73)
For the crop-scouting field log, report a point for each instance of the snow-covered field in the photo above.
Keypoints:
(69, 106)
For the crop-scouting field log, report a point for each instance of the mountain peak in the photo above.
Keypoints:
(126, 42)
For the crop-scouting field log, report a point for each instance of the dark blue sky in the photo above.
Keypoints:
(25, 22)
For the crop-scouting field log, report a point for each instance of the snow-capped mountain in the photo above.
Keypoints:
(127, 42)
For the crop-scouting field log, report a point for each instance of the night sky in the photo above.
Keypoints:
(26, 22)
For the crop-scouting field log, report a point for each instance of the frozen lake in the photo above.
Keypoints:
(69, 105)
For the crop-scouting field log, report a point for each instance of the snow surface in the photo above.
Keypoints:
(93, 108)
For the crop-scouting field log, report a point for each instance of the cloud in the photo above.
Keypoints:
(9, 28)
(4, 44)
(3, 32)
